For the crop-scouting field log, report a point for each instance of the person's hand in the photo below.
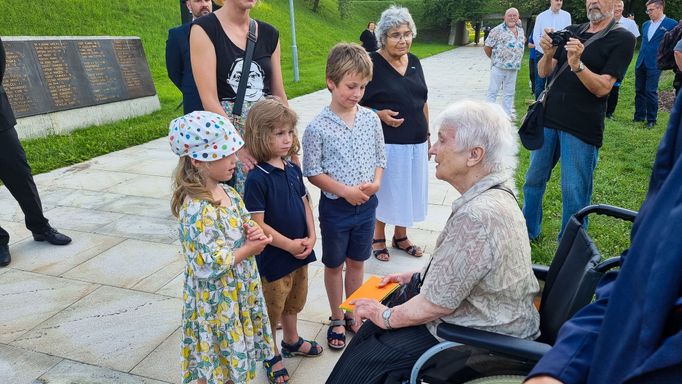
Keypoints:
(400, 278)
(305, 247)
(369, 189)
(542, 380)
(387, 116)
(354, 196)
(546, 43)
(253, 231)
(575, 50)
(255, 247)
(369, 309)
(248, 161)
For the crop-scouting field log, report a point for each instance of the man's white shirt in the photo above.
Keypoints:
(630, 25)
(548, 19)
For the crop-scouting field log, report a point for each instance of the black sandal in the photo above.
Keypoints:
(331, 335)
(350, 322)
(272, 376)
(412, 250)
(291, 350)
(382, 251)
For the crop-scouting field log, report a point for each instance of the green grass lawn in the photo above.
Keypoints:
(150, 20)
(621, 177)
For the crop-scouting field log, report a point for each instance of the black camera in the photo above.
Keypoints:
(560, 37)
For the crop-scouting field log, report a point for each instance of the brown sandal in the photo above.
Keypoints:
(382, 251)
(412, 250)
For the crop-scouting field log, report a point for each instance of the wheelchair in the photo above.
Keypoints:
(569, 284)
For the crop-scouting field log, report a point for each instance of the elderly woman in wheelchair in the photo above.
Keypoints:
(480, 273)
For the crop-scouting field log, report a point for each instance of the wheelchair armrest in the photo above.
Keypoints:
(608, 264)
(541, 271)
(494, 342)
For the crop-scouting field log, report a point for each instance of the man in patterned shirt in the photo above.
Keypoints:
(504, 47)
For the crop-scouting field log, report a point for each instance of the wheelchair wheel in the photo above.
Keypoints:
(501, 379)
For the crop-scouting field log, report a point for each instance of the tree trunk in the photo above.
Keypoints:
(316, 5)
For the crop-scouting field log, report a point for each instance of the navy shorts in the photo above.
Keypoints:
(346, 230)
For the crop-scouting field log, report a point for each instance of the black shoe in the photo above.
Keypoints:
(5, 257)
(52, 236)
(651, 124)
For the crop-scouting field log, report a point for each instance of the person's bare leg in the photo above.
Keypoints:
(380, 233)
(290, 330)
(354, 275)
(333, 283)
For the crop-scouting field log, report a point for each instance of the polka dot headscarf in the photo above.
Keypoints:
(205, 136)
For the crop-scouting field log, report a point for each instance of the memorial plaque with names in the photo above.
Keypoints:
(48, 75)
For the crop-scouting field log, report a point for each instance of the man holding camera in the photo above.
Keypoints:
(574, 109)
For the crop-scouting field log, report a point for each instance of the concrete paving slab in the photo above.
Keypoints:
(136, 205)
(34, 298)
(90, 179)
(17, 231)
(72, 372)
(80, 219)
(48, 259)
(163, 362)
(18, 365)
(117, 161)
(130, 263)
(77, 198)
(145, 186)
(112, 328)
(142, 228)
(174, 287)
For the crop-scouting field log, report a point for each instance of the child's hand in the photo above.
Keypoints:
(253, 231)
(256, 246)
(308, 245)
(369, 189)
(354, 196)
(295, 246)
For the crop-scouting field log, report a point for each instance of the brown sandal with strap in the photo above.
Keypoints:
(412, 250)
(382, 251)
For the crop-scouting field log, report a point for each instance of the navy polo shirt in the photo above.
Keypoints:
(278, 194)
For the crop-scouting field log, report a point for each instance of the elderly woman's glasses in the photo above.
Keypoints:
(401, 36)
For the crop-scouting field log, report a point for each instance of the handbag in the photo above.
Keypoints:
(532, 129)
(246, 69)
(407, 291)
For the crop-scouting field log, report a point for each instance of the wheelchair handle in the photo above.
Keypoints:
(606, 210)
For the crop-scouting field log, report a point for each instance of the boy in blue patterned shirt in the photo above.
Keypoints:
(344, 156)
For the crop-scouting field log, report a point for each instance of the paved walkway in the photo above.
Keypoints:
(106, 308)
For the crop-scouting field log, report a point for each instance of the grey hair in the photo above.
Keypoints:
(393, 17)
(485, 125)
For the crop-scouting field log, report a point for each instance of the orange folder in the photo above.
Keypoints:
(369, 290)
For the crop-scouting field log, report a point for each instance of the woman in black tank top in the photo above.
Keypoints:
(217, 48)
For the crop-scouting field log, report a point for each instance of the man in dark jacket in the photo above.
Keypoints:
(178, 62)
(633, 332)
(15, 173)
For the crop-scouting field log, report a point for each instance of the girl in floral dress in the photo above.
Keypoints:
(225, 324)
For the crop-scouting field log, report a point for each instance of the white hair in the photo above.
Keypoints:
(393, 17)
(485, 125)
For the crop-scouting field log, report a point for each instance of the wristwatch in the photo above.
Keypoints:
(387, 316)
(580, 68)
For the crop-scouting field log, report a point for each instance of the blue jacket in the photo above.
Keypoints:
(179, 67)
(622, 337)
(647, 52)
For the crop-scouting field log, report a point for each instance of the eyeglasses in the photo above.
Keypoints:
(397, 36)
(651, 10)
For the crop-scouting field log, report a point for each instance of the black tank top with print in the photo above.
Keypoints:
(230, 59)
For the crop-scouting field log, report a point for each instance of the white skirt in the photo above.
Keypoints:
(403, 196)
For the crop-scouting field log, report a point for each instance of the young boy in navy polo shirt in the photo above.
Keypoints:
(344, 156)
(277, 200)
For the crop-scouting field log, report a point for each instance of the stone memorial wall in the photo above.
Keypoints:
(49, 75)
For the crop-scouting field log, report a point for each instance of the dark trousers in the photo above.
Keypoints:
(612, 101)
(15, 173)
(378, 356)
(532, 70)
(646, 94)
(540, 82)
(677, 82)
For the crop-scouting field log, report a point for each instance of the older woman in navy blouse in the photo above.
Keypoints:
(398, 94)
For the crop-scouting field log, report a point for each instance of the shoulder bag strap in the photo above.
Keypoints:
(241, 91)
(589, 41)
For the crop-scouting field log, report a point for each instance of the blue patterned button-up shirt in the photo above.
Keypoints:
(348, 155)
(507, 47)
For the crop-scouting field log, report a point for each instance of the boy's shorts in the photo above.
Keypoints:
(286, 295)
(346, 230)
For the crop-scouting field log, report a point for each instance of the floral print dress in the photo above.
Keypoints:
(225, 322)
